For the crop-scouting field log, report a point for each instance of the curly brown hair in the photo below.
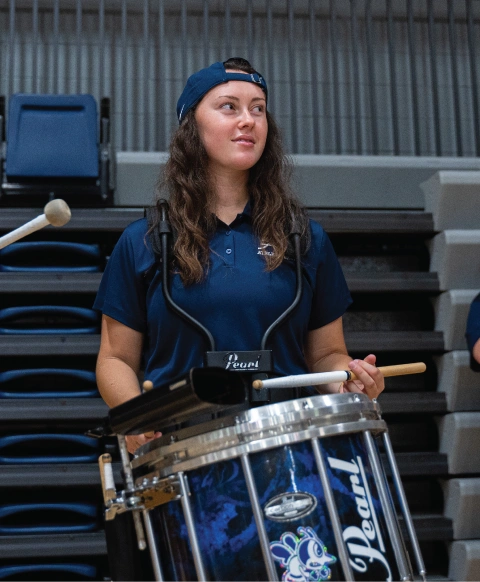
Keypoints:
(275, 209)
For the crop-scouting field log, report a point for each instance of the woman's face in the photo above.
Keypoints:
(232, 122)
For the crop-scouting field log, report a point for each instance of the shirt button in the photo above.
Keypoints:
(228, 232)
(228, 251)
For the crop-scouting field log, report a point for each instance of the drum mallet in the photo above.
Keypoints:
(55, 212)
(337, 376)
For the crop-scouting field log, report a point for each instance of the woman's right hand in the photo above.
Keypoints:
(137, 440)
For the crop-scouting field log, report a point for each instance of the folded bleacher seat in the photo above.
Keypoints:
(31, 449)
(47, 518)
(56, 147)
(51, 256)
(48, 383)
(48, 319)
(52, 136)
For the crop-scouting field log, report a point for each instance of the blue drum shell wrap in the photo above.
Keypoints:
(226, 527)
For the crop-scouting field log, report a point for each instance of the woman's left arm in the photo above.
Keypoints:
(325, 351)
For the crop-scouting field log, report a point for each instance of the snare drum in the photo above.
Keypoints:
(293, 491)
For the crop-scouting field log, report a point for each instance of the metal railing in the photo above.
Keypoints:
(345, 76)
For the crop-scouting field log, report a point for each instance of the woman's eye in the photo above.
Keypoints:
(227, 106)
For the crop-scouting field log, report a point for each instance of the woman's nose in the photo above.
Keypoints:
(246, 118)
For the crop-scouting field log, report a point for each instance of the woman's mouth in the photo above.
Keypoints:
(245, 140)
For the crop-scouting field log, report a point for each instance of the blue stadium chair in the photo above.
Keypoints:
(56, 148)
(48, 319)
(47, 518)
(32, 449)
(51, 256)
(48, 383)
(48, 572)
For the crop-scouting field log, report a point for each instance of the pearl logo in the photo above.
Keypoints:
(233, 362)
(360, 541)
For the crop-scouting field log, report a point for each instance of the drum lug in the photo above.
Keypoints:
(158, 491)
(148, 495)
(377, 408)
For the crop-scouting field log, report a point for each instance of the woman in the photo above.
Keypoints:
(232, 211)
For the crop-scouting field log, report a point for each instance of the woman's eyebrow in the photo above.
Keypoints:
(233, 98)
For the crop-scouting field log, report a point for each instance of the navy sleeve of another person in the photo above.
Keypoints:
(331, 295)
(122, 292)
(473, 330)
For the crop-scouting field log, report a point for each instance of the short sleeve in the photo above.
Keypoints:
(122, 293)
(331, 295)
(473, 330)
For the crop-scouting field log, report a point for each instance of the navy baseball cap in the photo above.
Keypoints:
(201, 82)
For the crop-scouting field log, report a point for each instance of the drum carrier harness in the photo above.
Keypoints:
(259, 362)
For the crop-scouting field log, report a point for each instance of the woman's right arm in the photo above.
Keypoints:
(118, 365)
(118, 362)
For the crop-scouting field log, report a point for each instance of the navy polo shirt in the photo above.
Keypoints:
(237, 301)
(473, 330)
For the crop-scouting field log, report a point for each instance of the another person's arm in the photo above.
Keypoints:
(325, 351)
(476, 351)
(472, 333)
(118, 365)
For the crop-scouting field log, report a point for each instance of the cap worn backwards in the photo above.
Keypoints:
(201, 82)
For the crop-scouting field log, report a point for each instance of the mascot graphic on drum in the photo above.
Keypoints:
(305, 559)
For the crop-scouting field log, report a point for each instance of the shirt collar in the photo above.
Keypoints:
(247, 211)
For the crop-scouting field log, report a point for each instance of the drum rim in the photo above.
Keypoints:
(261, 445)
(260, 418)
(229, 432)
(320, 410)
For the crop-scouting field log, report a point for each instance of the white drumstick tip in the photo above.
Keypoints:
(57, 212)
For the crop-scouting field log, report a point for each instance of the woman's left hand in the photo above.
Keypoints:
(369, 380)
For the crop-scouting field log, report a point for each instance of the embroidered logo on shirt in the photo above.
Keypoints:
(265, 249)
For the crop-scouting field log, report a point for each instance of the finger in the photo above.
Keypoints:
(371, 359)
(150, 434)
(157, 434)
(353, 387)
(366, 373)
(370, 368)
(370, 376)
(132, 444)
(360, 367)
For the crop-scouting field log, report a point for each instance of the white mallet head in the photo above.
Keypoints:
(57, 212)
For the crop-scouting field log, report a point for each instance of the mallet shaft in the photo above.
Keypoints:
(24, 230)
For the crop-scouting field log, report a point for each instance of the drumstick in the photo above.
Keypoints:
(147, 386)
(55, 212)
(337, 376)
